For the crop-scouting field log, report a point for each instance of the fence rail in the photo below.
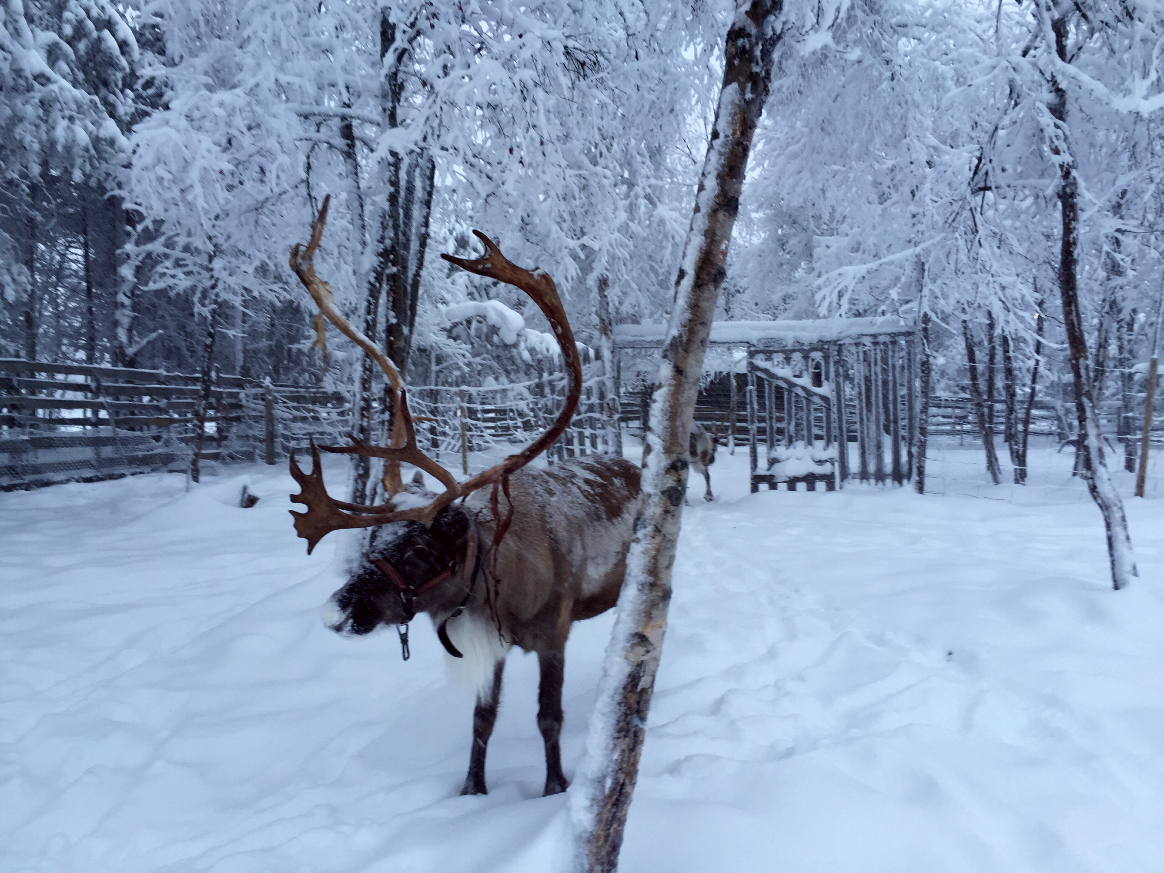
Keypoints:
(70, 422)
(74, 422)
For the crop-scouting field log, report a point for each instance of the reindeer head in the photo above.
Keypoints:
(405, 567)
(419, 544)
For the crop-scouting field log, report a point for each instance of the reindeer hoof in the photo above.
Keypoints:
(708, 497)
(474, 786)
(555, 786)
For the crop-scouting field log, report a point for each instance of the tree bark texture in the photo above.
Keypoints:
(601, 797)
(1020, 470)
(1010, 405)
(610, 400)
(29, 315)
(202, 407)
(985, 431)
(1090, 440)
(923, 409)
(1146, 437)
(991, 368)
(1125, 344)
(399, 229)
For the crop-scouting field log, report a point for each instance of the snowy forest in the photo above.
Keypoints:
(982, 175)
(159, 159)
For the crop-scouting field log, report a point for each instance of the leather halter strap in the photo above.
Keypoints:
(442, 628)
(398, 580)
(408, 593)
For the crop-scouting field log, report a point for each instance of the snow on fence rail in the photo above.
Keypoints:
(75, 422)
(70, 422)
(469, 419)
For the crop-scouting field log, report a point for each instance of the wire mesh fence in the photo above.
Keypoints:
(74, 422)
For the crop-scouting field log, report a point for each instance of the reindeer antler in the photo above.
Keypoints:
(542, 291)
(324, 513)
(303, 265)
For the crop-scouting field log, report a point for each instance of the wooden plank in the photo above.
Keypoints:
(842, 426)
(862, 414)
(877, 388)
(65, 470)
(911, 404)
(894, 362)
(31, 368)
(43, 442)
(753, 452)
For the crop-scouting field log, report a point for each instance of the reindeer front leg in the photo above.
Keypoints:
(484, 715)
(553, 666)
(707, 495)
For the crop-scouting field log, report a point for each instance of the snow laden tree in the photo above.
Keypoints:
(1075, 48)
(66, 70)
(600, 798)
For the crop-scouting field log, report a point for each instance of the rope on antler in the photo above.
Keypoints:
(489, 564)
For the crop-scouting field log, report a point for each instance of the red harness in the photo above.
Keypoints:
(409, 590)
(409, 593)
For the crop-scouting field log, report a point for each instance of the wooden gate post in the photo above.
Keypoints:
(464, 433)
(269, 421)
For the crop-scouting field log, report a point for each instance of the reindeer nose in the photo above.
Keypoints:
(334, 617)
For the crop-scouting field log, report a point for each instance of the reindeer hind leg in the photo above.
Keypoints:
(484, 715)
(552, 665)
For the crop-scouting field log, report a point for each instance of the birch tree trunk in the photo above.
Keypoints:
(923, 412)
(601, 796)
(1010, 405)
(1090, 441)
(206, 386)
(1020, 469)
(610, 401)
(985, 431)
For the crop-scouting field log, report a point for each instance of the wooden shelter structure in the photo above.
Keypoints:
(828, 400)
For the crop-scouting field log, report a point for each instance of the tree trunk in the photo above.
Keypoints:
(365, 401)
(1095, 472)
(991, 369)
(610, 405)
(90, 303)
(125, 302)
(1020, 470)
(206, 385)
(602, 794)
(1125, 344)
(29, 315)
(979, 403)
(923, 409)
(1010, 405)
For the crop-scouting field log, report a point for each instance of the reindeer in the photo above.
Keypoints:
(701, 452)
(523, 554)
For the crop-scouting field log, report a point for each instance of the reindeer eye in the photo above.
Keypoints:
(419, 553)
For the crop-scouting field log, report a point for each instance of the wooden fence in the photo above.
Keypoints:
(74, 422)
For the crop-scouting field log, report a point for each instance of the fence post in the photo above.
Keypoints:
(269, 421)
(464, 433)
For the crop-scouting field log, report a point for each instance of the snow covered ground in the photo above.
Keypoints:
(860, 681)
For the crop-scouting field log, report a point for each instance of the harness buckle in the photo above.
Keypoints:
(405, 652)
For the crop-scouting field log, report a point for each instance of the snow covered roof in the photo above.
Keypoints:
(771, 333)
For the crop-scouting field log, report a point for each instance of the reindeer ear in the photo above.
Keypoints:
(451, 525)
(418, 479)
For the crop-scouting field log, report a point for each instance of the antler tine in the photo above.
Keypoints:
(303, 264)
(325, 514)
(541, 289)
(409, 453)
